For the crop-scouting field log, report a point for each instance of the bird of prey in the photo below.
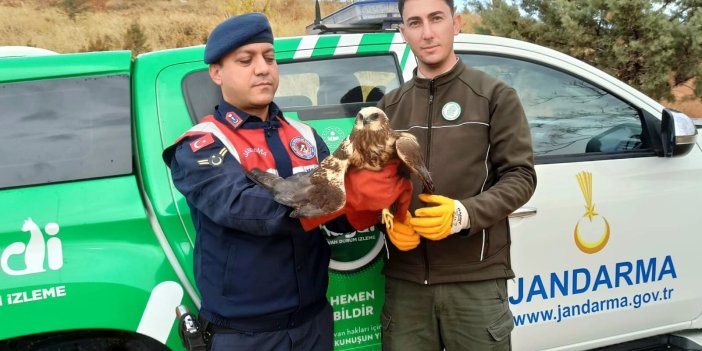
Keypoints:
(371, 145)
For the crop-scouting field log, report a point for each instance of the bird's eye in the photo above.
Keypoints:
(373, 117)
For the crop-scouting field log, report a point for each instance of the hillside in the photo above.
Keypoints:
(138, 25)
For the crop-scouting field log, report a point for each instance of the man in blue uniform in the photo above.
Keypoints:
(262, 278)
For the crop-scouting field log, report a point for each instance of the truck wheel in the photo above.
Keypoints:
(83, 340)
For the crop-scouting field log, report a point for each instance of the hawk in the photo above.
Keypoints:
(371, 145)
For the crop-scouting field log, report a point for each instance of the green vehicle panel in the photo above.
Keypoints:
(79, 253)
(96, 244)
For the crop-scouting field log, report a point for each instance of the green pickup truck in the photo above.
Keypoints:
(96, 244)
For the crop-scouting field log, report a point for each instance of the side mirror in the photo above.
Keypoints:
(678, 133)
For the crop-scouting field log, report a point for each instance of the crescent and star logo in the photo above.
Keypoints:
(201, 142)
(592, 231)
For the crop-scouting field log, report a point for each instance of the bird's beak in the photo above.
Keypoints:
(366, 121)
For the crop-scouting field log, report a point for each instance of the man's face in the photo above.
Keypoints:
(248, 76)
(429, 28)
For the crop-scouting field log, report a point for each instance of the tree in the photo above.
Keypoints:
(74, 8)
(644, 43)
(135, 39)
(99, 43)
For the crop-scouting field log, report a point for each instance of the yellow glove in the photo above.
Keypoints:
(437, 222)
(402, 234)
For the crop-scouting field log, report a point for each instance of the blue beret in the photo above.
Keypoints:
(236, 32)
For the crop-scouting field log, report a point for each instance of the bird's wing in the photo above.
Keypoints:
(287, 191)
(327, 193)
(313, 194)
(264, 179)
(410, 153)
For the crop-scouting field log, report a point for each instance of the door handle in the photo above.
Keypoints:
(523, 212)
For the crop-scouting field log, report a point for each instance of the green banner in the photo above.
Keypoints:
(356, 284)
(356, 288)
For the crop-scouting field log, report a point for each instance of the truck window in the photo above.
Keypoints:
(353, 81)
(64, 129)
(332, 87)
(567, 115)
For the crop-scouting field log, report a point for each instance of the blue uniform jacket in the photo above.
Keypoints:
(255, 267)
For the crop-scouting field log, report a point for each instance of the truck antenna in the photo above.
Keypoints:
(317, 13)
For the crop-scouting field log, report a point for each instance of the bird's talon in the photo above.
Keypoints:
(387, 218)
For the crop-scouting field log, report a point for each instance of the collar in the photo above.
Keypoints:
(236, 118)
(443, 78)
(420, 75)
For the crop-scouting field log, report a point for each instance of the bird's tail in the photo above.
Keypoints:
(425, 177)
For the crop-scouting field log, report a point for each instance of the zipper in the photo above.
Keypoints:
(428, 148)
(426, 262)
(429, 120)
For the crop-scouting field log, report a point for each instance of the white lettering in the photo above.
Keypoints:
(356, 297)
(35, 295)
(350, 313)
(257, 150)
(353, 340)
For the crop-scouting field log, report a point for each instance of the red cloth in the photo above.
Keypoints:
(367, 193)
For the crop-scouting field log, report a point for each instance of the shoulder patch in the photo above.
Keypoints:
(215, 160)
(201, 142)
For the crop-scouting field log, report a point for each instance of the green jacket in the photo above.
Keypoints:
(477, 146)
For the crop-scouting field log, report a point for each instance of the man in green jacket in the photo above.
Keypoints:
(446, 277)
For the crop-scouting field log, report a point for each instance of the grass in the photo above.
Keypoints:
(104, 24)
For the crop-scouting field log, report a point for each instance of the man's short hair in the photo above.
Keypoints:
(401, 6)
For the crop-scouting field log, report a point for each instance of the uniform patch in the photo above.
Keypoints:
(233, 119)
(201, 142)
(302, 148)
(451, 111)
(215, 160)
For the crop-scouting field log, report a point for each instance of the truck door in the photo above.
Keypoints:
(606, 247)
(77, 252)
(324, 81)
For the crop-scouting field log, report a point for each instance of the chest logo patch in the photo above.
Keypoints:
(451, 111)
(302, 148)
